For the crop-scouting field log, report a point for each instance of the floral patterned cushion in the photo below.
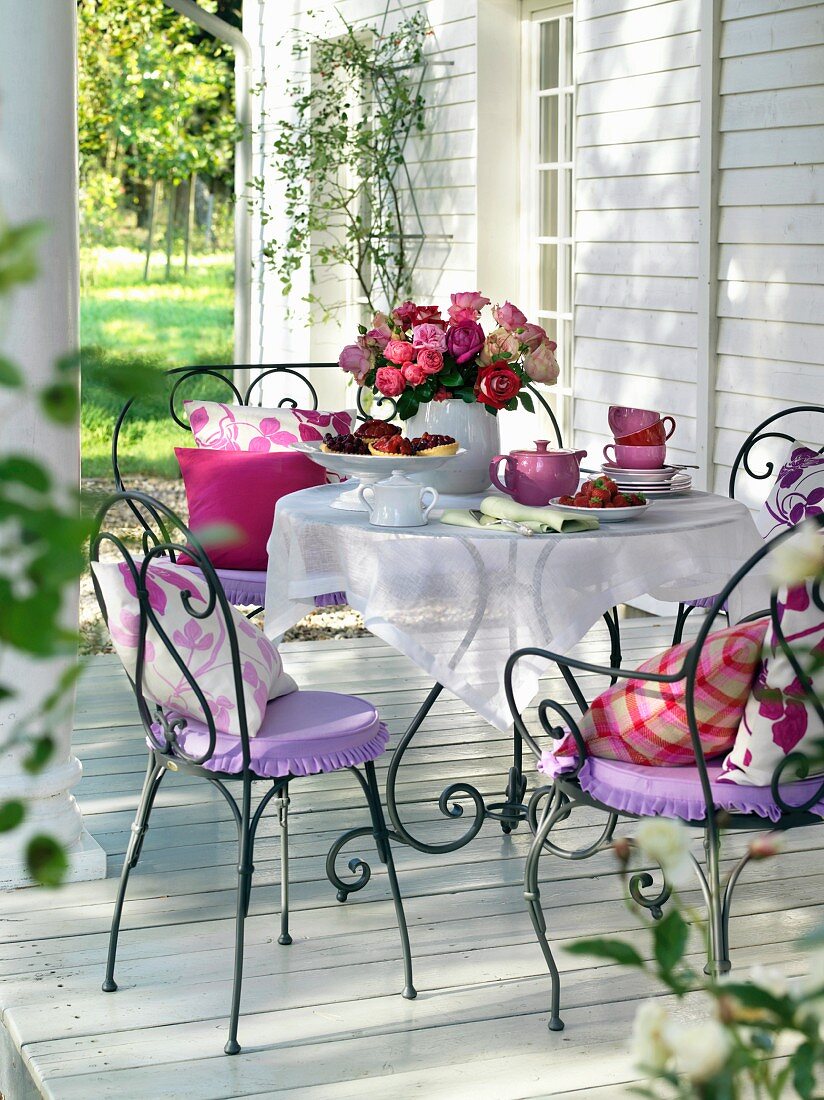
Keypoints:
(643, 722)
(248, 428)
(798, 492)
(779, 717)
(201, 643)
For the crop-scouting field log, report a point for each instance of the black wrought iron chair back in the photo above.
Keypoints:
(564, 793)
(164, 538)
(755, 448)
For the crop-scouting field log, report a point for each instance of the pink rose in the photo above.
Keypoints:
(509, 316)
(405, 314)
(467, 306)
(465, 340)
(532, 336)
(357, 360)
(428, 315)
(498, 345)
(414, 374)
(390, 381)
(399, 352)
(429, 360)
(379, 334)
(429, 336)
(541, 364)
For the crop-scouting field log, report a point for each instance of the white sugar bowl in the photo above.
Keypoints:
(398, 502)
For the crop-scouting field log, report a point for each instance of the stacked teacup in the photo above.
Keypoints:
(637, 458)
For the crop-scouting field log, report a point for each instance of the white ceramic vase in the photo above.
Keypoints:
(476, 430)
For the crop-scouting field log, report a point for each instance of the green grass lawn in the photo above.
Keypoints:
(124, 322)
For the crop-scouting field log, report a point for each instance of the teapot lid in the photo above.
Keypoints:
(543, 447)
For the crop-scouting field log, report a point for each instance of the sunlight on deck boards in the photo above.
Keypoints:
(324, 1017)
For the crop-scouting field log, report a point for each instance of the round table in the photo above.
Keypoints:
(459, 601)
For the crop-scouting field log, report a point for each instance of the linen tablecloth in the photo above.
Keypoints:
(457, 602)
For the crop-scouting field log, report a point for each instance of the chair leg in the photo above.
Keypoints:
(532, 895)
(283, 818)
(379, 831)
(681, 617)
(718, 961)
(245, 870)
(154, 775)
(614, 628)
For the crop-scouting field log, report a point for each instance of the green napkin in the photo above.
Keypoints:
(540, 520)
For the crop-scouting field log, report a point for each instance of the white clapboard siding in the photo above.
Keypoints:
(771, 224)
(636, 226)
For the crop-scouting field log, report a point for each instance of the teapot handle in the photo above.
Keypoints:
(361, 495)
(435, 498)
(494, 466)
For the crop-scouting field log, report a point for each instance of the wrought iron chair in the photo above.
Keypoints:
(740, 465)
(243, 587)
(180, 745)
(790, 798)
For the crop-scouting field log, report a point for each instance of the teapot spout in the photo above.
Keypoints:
(580, 454)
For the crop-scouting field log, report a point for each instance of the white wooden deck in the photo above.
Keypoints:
(324, 1018)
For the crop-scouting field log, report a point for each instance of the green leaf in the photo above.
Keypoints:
(10, 375)
(18, 263)
(46, 860)
(803, 1063)
(670, 937)
(450, 378)
(11, 814)
(25, 472)
(61, 402)
(615, 950)
(407, 405)
(754, 996)
(526, 400)
(39, 754)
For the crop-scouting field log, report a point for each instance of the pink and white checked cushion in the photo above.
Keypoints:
(780, 718)
(646, 723)
(202, 644)
(224, 427)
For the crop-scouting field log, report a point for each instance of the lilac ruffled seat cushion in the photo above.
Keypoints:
(247, 588)
(676, 792)
(301, 734)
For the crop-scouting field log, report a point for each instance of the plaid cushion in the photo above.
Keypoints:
(646, 723)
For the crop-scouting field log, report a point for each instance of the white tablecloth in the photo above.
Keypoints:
(457, 601)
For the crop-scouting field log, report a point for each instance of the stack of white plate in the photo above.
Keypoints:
(666, 482)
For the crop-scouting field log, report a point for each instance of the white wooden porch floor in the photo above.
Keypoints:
(324, 1018)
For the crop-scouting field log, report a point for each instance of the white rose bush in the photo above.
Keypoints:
(762, 1036)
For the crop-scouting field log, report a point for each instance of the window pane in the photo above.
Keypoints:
(566, 202)
(568, 128)
(564, 265)
(565, 349)
(549, 54)
(568, 50)
(550, 327)
(548, 151)
(548, 221)
(549, 278)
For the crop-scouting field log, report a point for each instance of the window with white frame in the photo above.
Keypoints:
(547, 205)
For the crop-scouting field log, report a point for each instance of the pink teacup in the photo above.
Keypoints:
(636, 458)
(624, 420)
(653, 436)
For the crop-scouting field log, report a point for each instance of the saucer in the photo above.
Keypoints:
(648, 477)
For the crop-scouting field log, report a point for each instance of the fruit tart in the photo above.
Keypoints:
(430, 445)
(391, 446)
(377, 429)
(344, 445)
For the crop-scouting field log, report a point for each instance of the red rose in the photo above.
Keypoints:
(428, 315)
(496, 384)
(390, 381)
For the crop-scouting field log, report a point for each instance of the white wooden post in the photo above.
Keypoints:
(38, 181)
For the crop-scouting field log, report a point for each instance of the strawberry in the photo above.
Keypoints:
(566, 500)
(637, 499)
(620, 501)
(602, 496)
(587, 488)
(580, 501)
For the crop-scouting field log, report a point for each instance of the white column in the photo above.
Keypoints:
(38, 181)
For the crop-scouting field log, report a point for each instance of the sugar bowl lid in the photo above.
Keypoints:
(544, 447)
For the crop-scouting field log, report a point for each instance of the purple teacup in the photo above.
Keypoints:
(624, 420)
(636, 458)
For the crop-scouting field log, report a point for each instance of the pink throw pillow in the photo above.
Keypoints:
(643, 722)
(779, 717)
(241, 489)
(798, 492)
(223, 427)
(201, 643)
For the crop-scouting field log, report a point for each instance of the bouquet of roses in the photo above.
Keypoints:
(414, 355)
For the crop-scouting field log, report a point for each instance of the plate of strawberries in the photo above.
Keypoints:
(602, 496)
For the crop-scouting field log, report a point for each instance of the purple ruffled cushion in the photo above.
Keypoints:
(301, 734)
(243, 587)
(676, 792)
(331, 599)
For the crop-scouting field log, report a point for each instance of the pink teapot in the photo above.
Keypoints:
(535, 477)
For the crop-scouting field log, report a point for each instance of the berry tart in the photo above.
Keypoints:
(344, 445)
(377, 429)
(391, 446)
(434, 445)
